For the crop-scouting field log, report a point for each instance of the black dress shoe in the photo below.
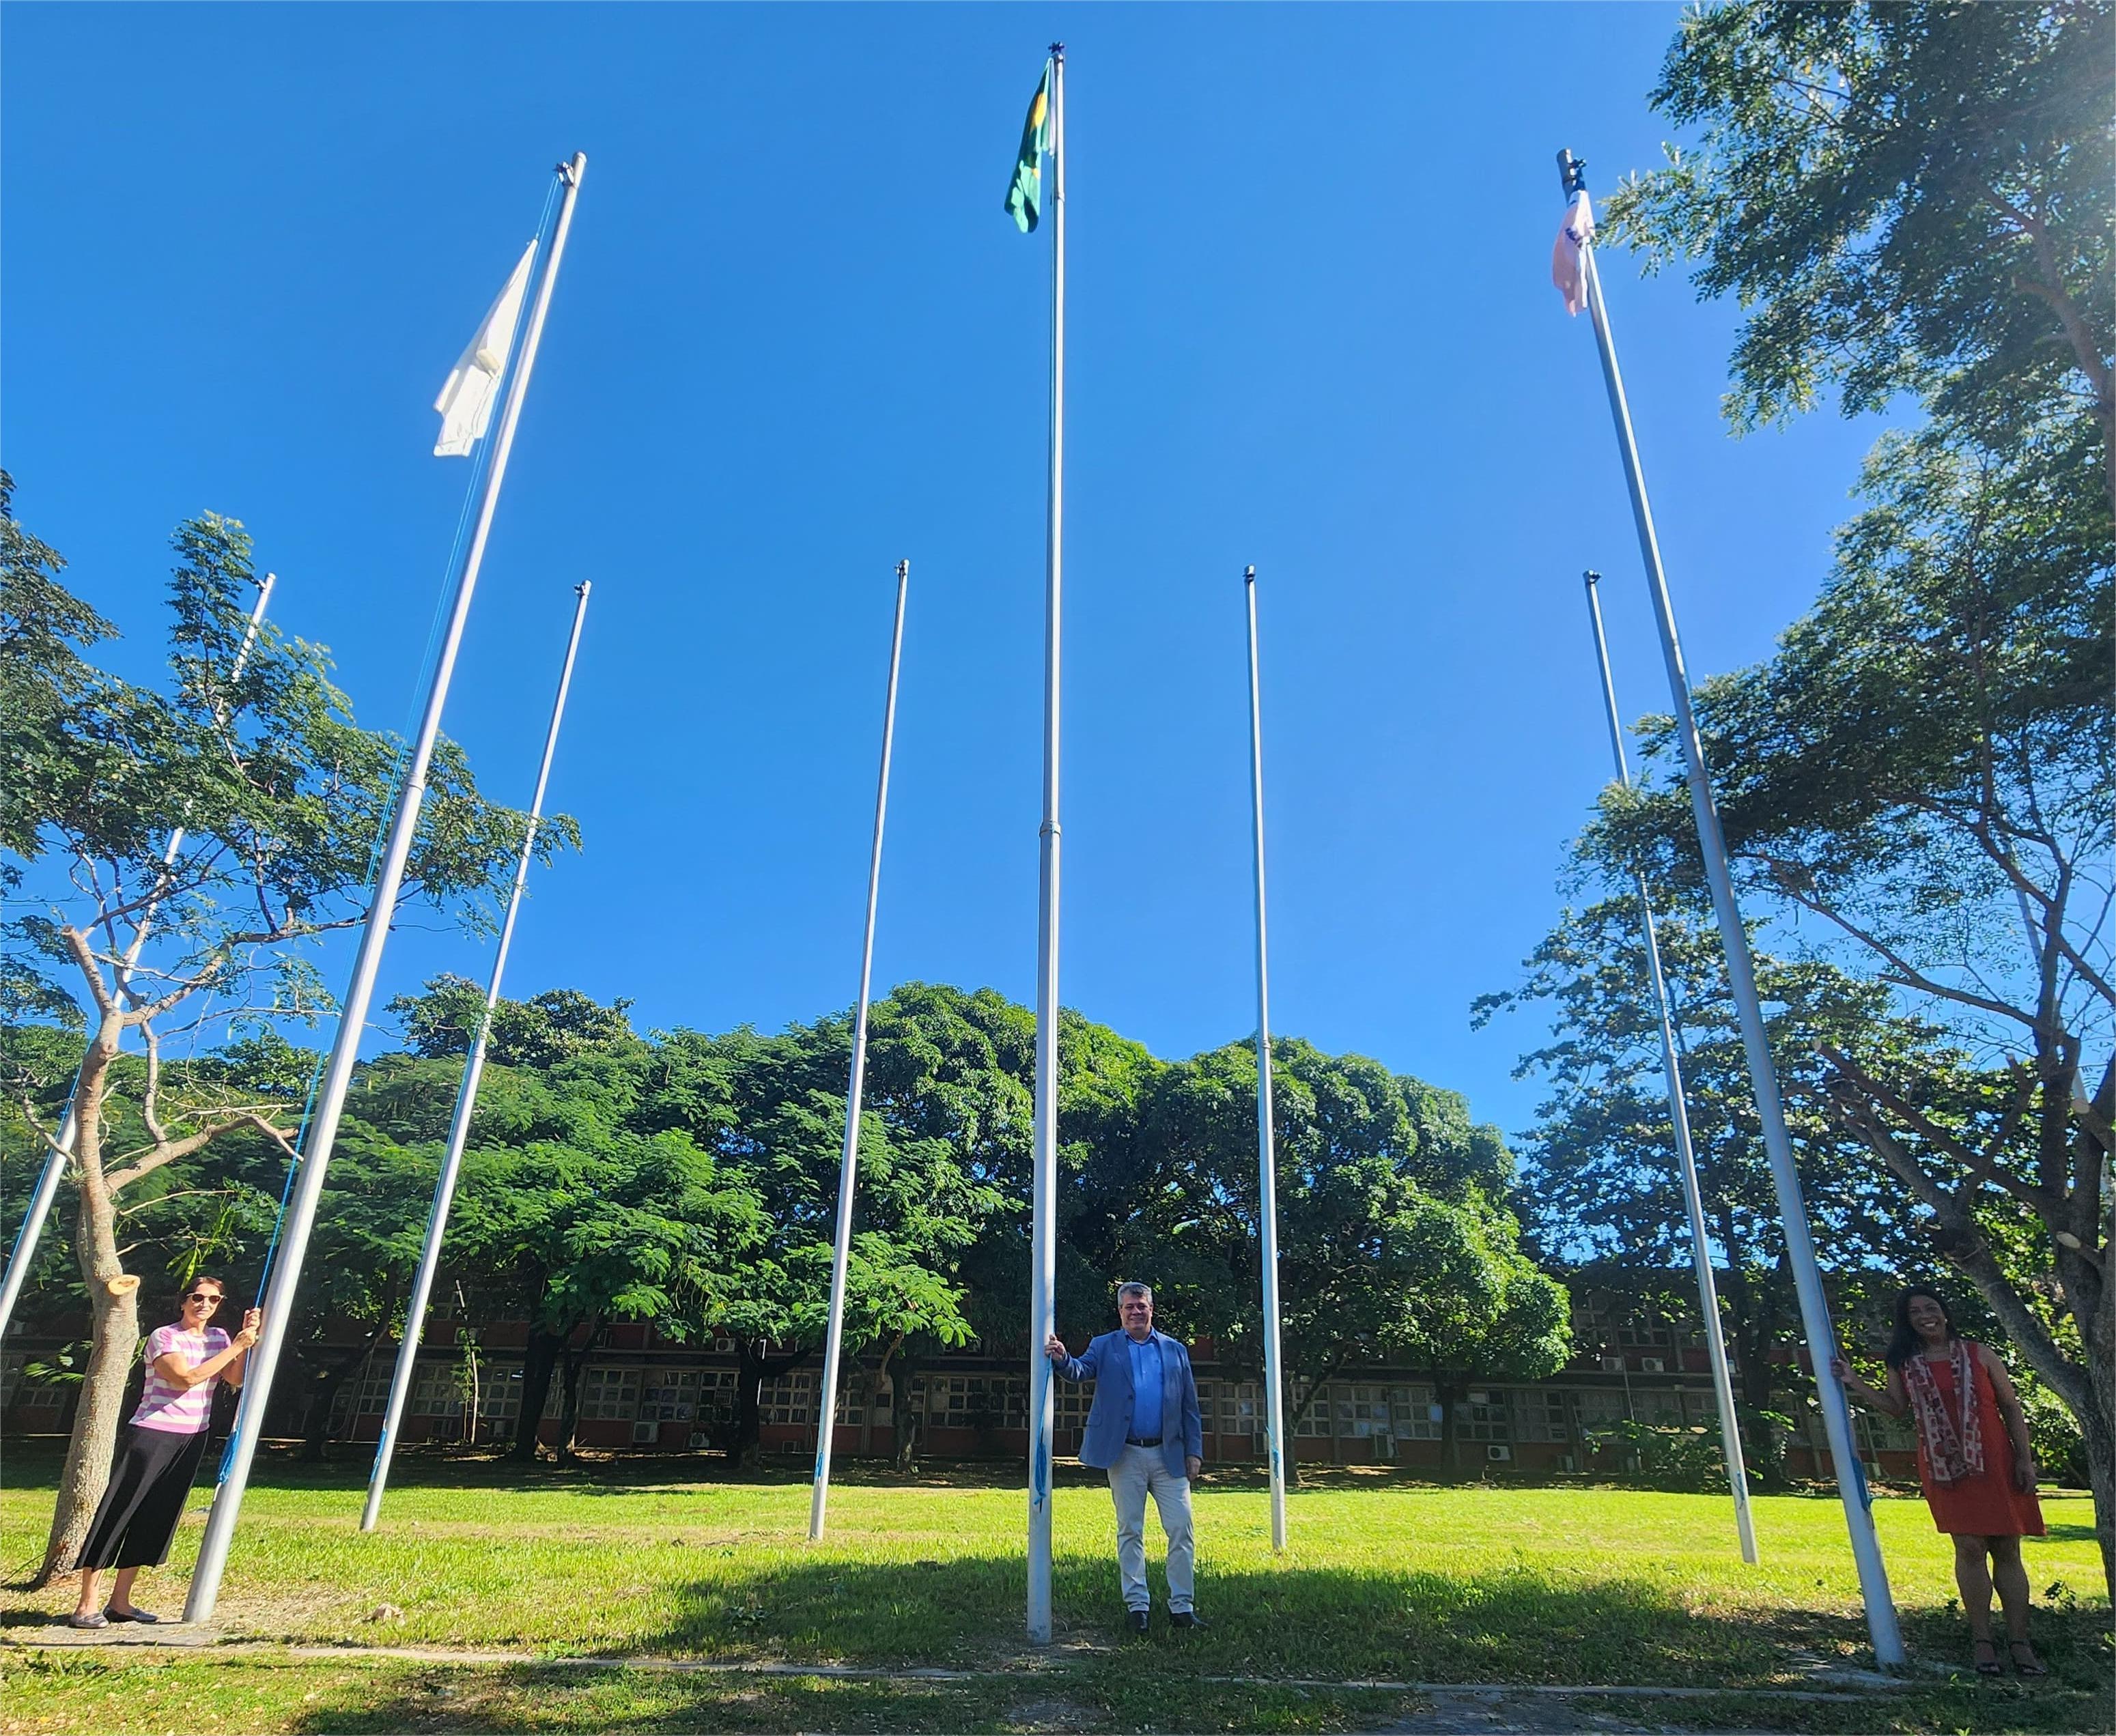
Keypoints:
(1137, 1621)
(1186, 1618)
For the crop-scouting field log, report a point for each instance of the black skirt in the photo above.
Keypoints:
(149, 1480)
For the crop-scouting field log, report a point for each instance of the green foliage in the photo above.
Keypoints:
(1903, 198)
(1670, 1458)
(540, 1032)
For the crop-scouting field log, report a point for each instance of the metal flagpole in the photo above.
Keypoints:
(841, 1257)
(1820, 1333)
(1043, 1276)
(444, 1188)
(1693, 1199)
(330, 1102)
(46, 1191)
(1267, 1158)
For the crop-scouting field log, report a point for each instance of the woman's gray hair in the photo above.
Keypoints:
(1134, 1288)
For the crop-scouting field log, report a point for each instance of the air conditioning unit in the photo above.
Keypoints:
(1613, 1364)
(645, 1434)
(1497, 1454)
(700, 1439)
(1568, 1463)
(1480, 1398)
(1652, 1364)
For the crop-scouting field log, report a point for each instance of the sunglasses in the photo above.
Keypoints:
(203, 1295)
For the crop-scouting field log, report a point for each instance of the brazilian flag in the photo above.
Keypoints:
(1024, 193)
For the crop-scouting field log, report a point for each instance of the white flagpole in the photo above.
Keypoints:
(1820, 1333)
(47, 1189)
(1678, 1113)
(1043, 1273)
(444, 1188)
(848, 1169)
(278, 1304)
(1266, 1158)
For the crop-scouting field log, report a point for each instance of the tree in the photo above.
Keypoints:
(602, 1225)
(1604, 1173)
(278, 796)
(1394, 1243)
(540, 1032)
(1904, 199)
(1923, 774)
(1916, 198)
(775, 1110)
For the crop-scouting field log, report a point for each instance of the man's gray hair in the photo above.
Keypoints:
(1134, 1288)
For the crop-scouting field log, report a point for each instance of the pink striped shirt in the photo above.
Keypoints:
(179, 1410)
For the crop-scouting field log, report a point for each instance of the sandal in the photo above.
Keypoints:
(1993, 1667)
(2034, 1667)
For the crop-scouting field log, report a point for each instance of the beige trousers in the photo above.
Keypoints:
(1143, 1470)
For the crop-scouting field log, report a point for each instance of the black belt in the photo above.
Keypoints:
(1133, 1441)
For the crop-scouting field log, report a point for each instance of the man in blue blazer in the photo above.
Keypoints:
(1144, 1430)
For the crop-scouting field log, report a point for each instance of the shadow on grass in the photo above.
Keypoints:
(639, 1704)
(1500, 1623)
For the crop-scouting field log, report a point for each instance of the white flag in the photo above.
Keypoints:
(1568, 270)
(466, 401)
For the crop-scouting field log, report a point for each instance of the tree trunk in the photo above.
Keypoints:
(540, 1356)
(1449, 1393)
(114, 1331)
(754, 1370)
(569, 1394)
(2101, 1478)
(324, 1387)
(880, 1374)
(903, 1420)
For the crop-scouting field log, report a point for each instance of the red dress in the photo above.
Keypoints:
(1987, 1505)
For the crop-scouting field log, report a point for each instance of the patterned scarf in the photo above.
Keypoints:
(1952, 1452)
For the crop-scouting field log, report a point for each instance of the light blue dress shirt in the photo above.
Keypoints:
(1145, 1386)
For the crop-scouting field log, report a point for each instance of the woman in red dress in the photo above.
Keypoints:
(1974, 1459)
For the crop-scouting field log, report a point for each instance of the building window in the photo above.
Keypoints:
(1483, 1416)
(499, 1392)
(1540, 1415)
(1241, 1408)
(1416, 1412)
(33, 1396)
(1073, 1399)
(668, 1395)
(1661, 1406)
(436, 1389)
(976, 1402)
(788, 1400)
(610, 1394)
(1317, 1424)
(1362, 1411)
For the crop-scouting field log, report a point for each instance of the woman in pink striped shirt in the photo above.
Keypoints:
(158, 1452)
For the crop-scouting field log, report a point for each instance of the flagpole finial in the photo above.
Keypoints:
(1057, 51)
(903, 569)
(1591, 578)
(581, 589)
(1571, 173)
(1249, 575)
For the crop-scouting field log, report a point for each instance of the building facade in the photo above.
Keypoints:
(1636, 1370)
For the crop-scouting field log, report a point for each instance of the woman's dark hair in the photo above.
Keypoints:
(1907, 1343)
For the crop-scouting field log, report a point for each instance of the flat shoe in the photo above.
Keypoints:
(90, 1620)
(147, 1616)
(2034, 1667)
(1995, 1668)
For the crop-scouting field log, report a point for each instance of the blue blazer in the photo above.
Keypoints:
(1107, 1362)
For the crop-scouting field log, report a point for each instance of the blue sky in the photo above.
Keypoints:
(796, 337)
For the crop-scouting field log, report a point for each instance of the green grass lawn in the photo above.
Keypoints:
(1385, 1579)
